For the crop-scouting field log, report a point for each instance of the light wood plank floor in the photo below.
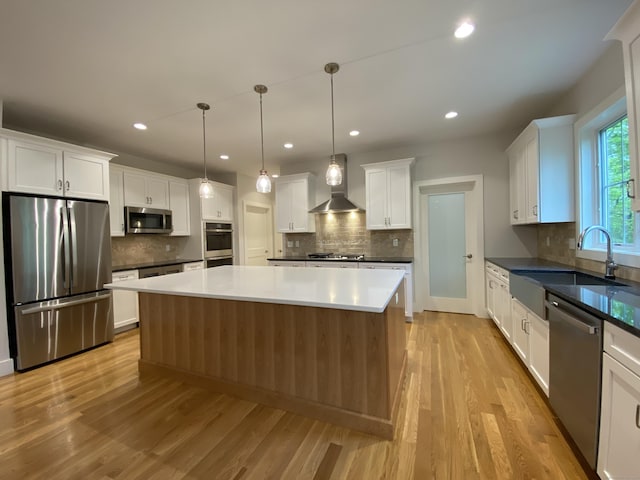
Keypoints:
(469, 412)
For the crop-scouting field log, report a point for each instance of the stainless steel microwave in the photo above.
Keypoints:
(147, 220)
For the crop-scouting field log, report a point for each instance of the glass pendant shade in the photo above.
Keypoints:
(206, 189)
(334, 174)
(263, 184)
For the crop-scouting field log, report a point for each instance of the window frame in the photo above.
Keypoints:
(587, 131)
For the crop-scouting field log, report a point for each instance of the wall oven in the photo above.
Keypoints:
(218, 244)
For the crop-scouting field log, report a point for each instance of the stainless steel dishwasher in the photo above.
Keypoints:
(575, 357)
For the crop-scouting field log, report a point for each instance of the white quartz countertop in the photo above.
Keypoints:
(341, 288)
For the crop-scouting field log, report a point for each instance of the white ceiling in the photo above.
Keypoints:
(86, 70)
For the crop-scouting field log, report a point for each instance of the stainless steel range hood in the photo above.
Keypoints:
(338, 201)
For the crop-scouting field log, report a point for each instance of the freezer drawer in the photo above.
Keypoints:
(46, 331)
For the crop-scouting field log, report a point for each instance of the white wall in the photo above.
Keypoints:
(479, 155)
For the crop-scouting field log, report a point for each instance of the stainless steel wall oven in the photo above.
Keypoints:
(218, 243)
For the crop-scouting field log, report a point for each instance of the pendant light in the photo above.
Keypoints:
(334, 174)
(206, 190)
(263, 184)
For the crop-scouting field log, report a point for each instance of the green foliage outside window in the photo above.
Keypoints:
(615, 171)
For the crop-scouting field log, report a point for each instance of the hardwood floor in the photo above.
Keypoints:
(469, 411)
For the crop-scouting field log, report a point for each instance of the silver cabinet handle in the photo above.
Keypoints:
(122, 227)
(468, 255)
(67, 185)
(59, 184)
(522, 324)
(638, 416)
(515, 216)
(630, 190)
(535, 210)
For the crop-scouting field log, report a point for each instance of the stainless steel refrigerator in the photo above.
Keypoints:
(57, 260)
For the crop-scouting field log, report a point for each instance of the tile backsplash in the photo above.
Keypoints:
(134, 249)
(555, 241)
(347, 233)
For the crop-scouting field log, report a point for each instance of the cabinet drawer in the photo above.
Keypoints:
(622, 346)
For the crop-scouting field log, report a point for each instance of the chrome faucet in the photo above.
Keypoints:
(609, 265)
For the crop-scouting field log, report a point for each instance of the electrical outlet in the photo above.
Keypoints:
(297, 243)
(572, 243)
(289, 243)
(395, 242)
(167, 248)
(548, 242)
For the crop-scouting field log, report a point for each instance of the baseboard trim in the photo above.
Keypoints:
(6, 367)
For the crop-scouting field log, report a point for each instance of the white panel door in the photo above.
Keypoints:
(257, 234)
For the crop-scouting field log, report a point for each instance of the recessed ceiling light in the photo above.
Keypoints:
(354, 133)
(224, 157)
(288, 145)
(451, 115)
(140, 126)
(464, 30)
(275, 175)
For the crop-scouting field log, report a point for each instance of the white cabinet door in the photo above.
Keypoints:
(533, 179)
(376, 198)
(125, 303)
(504, 309)
(619, 422)
(294, 195)
(538, 331)
(34, 168)
(490, 285)
(520, 339)
(408, 280)
(220, 206)
(179, 206)
(135, 190)
(158, 192)
(86, 176)
(399, 197)
(116, 201)
(388, 194)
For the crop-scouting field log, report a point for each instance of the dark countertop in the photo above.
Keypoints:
(363, 260)
(619, 305)
(160, 263)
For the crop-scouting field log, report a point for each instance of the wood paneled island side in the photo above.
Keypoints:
(325, 343)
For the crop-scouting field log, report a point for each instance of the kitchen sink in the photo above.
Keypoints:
(569, 278)
(528, 286)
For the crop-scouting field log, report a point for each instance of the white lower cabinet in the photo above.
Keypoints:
(530, 340)
(187, 267)
(329, 264)
(619, 446)
(408, 281)
(125, 303)
(498, 298)
(286, 263)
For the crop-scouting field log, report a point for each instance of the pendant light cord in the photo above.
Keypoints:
(333, 129)
(204, 146)
(261, 133)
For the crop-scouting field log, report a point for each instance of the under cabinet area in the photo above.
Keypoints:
(32, 164)
(294, 199)
(125, 303)
(620, 406)
(541, 172)
(388, 194)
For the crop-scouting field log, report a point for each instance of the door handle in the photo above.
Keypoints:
(468, 255)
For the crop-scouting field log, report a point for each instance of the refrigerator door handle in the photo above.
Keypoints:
(66, 246)
(74, 247)
(47, 307)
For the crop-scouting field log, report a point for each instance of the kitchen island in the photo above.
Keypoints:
(325, 343)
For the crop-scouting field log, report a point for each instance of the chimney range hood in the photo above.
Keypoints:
(338, 202)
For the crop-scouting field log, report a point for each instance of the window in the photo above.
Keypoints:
(603, 181)
(616, 214)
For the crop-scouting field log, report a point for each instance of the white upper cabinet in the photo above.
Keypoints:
(627, 30)
(143, 189)
(294, 199)
(220, 206)
(388, 194)
(541, 172)
(116, 201)
(179, 206)
(47, 167)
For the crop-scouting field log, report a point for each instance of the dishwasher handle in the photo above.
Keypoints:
(589, 329)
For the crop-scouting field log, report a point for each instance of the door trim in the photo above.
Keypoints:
(421, 260)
